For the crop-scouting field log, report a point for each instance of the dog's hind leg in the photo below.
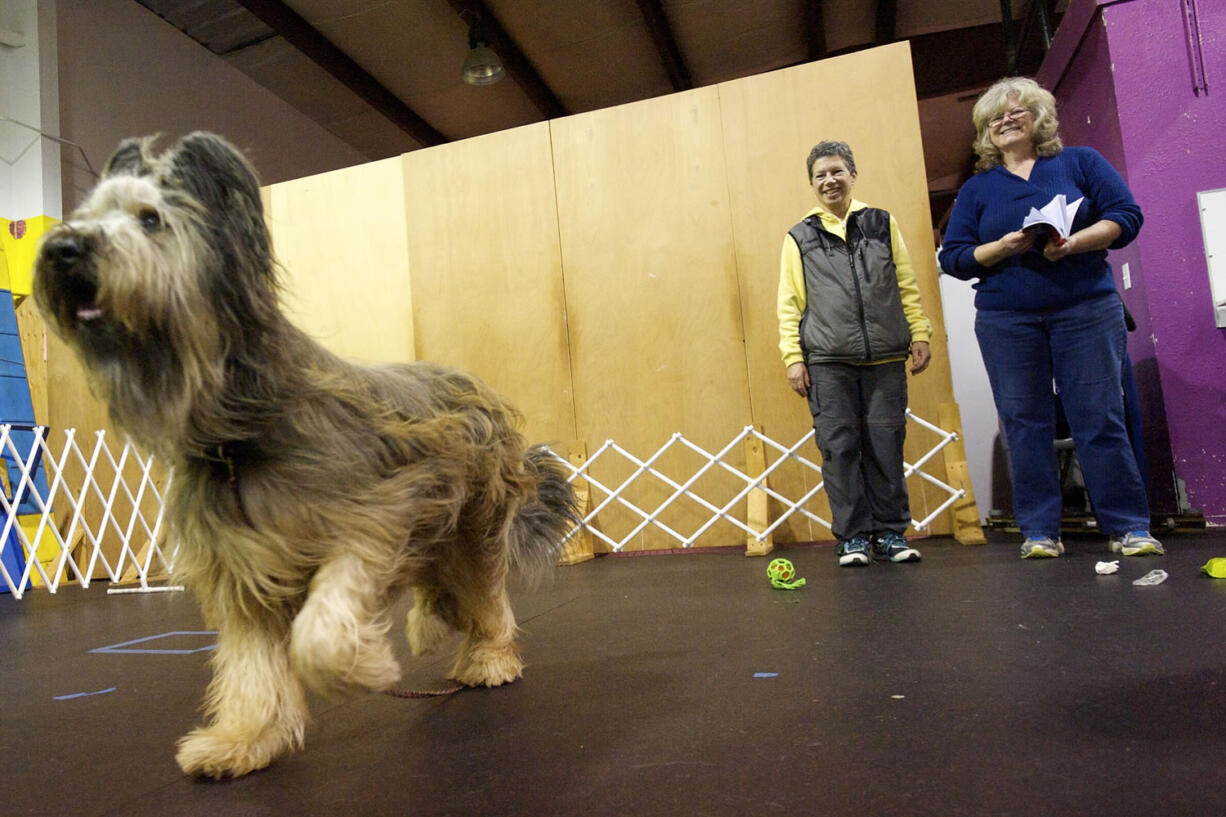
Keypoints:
(425, 627)
(256, 708)
(339, 637)
(488, 656)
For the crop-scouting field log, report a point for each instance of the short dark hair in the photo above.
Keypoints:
(840, 149)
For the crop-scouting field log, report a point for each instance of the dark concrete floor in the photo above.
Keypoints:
(973, 683)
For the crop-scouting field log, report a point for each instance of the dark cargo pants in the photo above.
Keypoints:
(860, 424)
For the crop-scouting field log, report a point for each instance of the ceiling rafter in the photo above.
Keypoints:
(815, 29)
(307, 39)
(666, 44)
(1037, 13)
(965, 59)
(887, 21)
(513, 58)
(961, 59)
(1009, 32)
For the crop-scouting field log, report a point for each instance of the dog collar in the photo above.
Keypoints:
(226, 458)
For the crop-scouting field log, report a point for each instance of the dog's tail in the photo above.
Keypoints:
(542, 524)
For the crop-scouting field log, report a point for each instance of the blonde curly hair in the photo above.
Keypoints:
(996, 100)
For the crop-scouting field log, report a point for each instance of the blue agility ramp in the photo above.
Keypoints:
(17, 410)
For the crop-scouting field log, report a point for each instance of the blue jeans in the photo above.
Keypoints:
(1083, 348)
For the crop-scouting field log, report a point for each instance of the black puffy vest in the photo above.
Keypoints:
(853, 311)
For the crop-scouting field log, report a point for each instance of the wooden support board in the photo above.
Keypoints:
(757, 511)
(580, 547)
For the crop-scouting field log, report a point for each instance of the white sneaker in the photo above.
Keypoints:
(1041, 547)
(1137, 543)
(853, 552)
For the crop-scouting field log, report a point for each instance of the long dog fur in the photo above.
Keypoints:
(308, 492)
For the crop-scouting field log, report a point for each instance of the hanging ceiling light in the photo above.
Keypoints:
(481, 66)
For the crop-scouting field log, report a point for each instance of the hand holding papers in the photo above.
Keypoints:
(1056, 214)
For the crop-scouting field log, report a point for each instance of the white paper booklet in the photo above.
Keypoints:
(1057, 213)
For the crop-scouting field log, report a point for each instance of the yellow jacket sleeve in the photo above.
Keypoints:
(791, 305)
(908, 288)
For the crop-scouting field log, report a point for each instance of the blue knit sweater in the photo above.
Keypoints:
(995, 201)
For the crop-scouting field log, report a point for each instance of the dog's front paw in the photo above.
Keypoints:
(211, 751)
(482, 665)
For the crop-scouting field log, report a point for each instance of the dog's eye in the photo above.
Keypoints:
(150, 220)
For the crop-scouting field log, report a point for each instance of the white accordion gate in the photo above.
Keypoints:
(759, 482)
(110, 507)
(122, 541)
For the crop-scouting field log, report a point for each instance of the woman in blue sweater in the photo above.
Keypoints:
(1047, 309)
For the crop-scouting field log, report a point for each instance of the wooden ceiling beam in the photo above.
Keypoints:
(513, 58)
(966, 59)
(666, 44)
(887, 21)
(815, 29)
(320, 50)
(1009, 32)
(962, 59)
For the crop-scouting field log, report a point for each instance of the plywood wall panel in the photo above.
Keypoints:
(614, 273)
(487, 276)
(340, 238)
(33, 332)
(651, 290)
(771, 121)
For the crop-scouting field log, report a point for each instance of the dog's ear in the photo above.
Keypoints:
(129, 159)
(215, 173)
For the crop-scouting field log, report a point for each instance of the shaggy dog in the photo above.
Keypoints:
(308, 492)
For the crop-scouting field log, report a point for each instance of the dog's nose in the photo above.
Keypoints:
(64, 251)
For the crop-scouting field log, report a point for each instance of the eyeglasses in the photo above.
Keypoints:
(1013, 115)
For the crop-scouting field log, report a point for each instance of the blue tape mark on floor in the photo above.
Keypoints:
(124, 647)
(83, 694)
(766, 675)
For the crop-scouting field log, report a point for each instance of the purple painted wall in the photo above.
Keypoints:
(1089, 115)
(1122, 72)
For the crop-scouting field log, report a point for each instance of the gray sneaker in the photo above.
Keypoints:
(852, 552)
(1137, 543)
(892, 547)
(1041, 547)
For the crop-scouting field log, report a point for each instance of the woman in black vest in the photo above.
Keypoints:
(849, 318)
